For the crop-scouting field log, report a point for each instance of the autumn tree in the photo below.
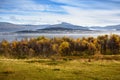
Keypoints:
(114, 44)
(64, 48)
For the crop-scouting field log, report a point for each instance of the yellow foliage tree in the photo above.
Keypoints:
(64, 48)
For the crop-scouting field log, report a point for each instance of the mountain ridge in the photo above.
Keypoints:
(10, 27)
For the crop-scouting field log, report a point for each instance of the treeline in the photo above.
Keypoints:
(46, 47)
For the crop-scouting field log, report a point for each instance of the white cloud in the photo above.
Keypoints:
(27, 5)
(92, 17)
(74, 16)
(29, 12)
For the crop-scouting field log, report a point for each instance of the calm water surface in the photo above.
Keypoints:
(19, 36)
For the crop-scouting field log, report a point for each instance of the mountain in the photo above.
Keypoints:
(35, 27)
(64, 26)
(56, 28)
(9, 27)
(27, 31)
(97, 28)
(106, 28)
(113, 27)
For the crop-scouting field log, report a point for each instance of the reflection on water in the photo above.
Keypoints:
(19, 36)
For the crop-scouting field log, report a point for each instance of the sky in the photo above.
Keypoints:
(78, 12)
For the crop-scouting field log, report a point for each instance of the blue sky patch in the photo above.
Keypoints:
(80, 12)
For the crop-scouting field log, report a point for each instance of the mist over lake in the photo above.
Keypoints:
(71, 34)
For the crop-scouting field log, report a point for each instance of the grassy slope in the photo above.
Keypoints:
(59, 70)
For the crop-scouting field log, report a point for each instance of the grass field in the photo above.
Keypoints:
(46, 69)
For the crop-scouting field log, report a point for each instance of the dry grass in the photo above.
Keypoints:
(46, 69)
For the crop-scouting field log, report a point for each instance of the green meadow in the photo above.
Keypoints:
(61, 69)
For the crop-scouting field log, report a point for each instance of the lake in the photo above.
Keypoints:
(19, 36)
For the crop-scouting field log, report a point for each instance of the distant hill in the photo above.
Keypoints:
(27, 31)
(9, 27)
(106, 28)
(114, 27)
(65, 26)
(55, 28)
(35, 27)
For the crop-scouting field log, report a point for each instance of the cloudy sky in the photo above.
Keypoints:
(79, 12)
